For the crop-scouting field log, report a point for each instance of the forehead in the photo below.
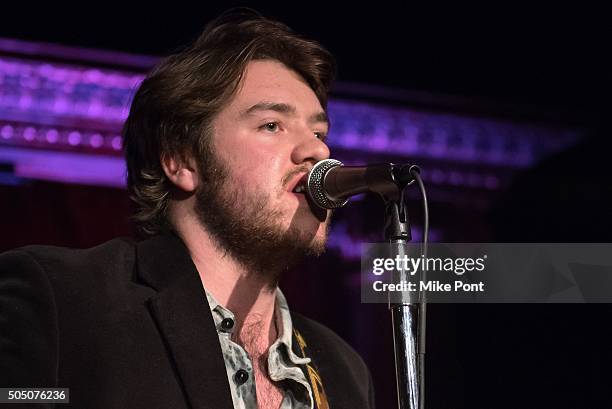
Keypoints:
(271, 81)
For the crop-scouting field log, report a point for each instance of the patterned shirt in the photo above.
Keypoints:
(283, 363)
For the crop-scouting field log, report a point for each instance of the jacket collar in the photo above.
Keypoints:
(163, 259)
(182, 314)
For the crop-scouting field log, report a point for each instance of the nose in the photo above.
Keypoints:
(309, 149)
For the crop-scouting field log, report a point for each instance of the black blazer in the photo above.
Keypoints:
(127, 325)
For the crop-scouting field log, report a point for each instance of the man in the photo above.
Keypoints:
(218, 142)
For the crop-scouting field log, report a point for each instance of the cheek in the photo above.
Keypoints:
(266, 168)
(257, 175)
(257, 162)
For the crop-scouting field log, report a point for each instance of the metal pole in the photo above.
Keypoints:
(408, 320)
(405, 345)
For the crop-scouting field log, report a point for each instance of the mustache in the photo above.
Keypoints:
(298, 170)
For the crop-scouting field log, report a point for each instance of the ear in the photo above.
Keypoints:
(182, 174)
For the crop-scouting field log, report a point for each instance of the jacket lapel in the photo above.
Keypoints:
(183, 317)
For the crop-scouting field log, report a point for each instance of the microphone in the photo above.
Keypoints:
(330, 183)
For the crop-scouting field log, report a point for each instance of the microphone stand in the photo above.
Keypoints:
(408, 319)
(389, 181)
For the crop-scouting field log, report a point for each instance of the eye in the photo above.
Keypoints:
(322, 136)
(270, 127)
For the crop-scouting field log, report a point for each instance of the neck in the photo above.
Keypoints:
(246, 293)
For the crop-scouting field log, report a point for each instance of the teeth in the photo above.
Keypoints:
(299, 189)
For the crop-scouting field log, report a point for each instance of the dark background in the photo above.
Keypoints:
(550, 61)
(552, 55)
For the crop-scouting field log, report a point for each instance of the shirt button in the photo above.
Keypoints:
(241, 376)
(227, 324)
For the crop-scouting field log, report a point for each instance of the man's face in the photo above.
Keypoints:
(263, 145)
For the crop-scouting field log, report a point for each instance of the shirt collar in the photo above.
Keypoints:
(286, 328)
(282, 315)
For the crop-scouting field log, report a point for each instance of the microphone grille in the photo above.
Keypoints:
(314, 185)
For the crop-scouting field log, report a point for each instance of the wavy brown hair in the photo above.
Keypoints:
(172, 111)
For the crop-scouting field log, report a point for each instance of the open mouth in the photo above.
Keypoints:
(300, 186)
(300, 189)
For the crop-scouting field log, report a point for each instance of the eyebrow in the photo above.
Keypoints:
(320, 117)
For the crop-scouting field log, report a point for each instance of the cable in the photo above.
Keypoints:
(415, 172)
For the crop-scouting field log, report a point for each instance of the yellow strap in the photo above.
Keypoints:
(315, 378)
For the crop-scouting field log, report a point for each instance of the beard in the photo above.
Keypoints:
(244, 225)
